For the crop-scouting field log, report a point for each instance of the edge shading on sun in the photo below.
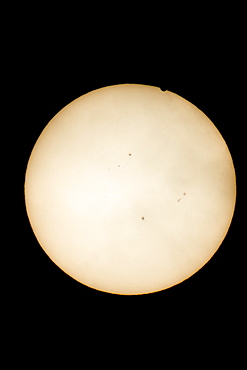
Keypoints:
(130, 190)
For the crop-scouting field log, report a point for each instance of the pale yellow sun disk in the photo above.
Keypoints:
(130, 190)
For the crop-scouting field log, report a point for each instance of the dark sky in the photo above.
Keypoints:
(50, 78)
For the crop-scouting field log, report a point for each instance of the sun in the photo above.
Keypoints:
(130, 190)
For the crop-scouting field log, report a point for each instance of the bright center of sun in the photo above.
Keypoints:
(130, 190)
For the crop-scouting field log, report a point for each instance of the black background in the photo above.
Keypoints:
(56, 68)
